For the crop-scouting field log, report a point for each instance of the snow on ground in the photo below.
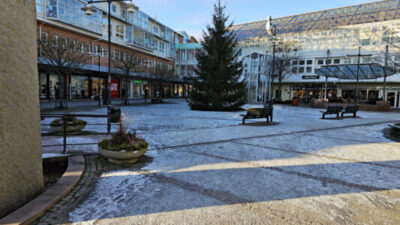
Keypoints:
(206, 168)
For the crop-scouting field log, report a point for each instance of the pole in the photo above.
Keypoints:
(358, 71)
(326, 78)
(271, 95)
(384, 78)
(98, 85)
(109, 71)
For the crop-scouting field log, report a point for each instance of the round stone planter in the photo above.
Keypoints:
(70, 129)
(122, 157)
(396, 130)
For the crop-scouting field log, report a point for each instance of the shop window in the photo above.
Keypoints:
(43, 85)
(79, 86)
(97, 86)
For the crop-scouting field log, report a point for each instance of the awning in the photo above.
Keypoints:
(349, 71)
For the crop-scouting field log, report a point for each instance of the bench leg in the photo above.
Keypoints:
(267, 119)
(243, 120)
(323, 115)
(355, 114)
(342, 115)
(337, 115)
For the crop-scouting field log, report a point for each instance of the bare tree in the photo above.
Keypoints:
(283, 65)
(63, 59)
(162, 74)
(127, 64)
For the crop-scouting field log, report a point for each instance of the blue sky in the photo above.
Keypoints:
(193, 15)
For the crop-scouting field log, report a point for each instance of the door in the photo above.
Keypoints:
(392, 98)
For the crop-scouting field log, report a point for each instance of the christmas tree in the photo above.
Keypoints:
(217, 86)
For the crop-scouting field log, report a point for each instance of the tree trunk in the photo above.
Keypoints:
(126, 91)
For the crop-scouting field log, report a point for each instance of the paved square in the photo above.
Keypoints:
(206, 168)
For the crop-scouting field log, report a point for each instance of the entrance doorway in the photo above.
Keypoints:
(393, 98)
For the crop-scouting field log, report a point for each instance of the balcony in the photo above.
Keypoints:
(69, 11)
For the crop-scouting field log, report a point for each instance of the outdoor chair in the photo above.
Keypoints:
(331, 110)
(350, 110)
(256, 113)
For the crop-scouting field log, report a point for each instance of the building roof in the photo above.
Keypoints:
(323, 20)
(349, 71)
(188, 46)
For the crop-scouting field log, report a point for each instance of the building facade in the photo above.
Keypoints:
(309, 36)
(185, 61)
(152, 43)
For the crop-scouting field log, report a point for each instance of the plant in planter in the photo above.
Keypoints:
(123, 147)
(73, 124)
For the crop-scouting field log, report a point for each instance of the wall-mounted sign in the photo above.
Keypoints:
(310, 77)
(137, 81)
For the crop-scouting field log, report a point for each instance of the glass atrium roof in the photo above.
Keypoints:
(349, 71)
(322, 20)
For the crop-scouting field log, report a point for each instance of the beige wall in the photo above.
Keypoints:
(20, 145)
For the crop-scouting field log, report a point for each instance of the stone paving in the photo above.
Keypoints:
(206, 168)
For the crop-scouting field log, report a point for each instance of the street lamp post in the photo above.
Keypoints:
(356, 96)
(328, 53)
(271, 30)
(89, 11)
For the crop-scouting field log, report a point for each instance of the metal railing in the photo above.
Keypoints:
(114, 118)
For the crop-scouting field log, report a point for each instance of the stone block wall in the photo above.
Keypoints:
(21, 176)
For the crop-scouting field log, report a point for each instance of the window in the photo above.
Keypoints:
(80, 47)
(329, 61)
(101, 51)
(119, 31)
(320, 61)
(302, 62)
(161, 47)
(336, 61)
(114, 8)
(309, 69)
(45, 38)
(155, 30)
(301, 70)
(72, 44)
(63, 42)
(39, 6)
(294, 69)
(88, 49)
(94, 50)
(294, 62)
(55, 40)
(113, 54)
(309, 62)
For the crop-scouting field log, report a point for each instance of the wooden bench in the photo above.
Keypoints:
(256, 113)
(332, 110)
(351, 110)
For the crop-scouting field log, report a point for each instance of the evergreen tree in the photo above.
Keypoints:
(217, 85)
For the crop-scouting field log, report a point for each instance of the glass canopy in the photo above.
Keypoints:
(349, 71)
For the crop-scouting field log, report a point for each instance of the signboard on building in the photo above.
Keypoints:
(114, 88)
(310, 77)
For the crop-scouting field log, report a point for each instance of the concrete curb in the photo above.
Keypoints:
(38, 206)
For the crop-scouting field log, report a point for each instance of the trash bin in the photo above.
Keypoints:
(115, 115)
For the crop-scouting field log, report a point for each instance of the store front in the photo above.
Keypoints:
(393, 96)
(79, 87)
